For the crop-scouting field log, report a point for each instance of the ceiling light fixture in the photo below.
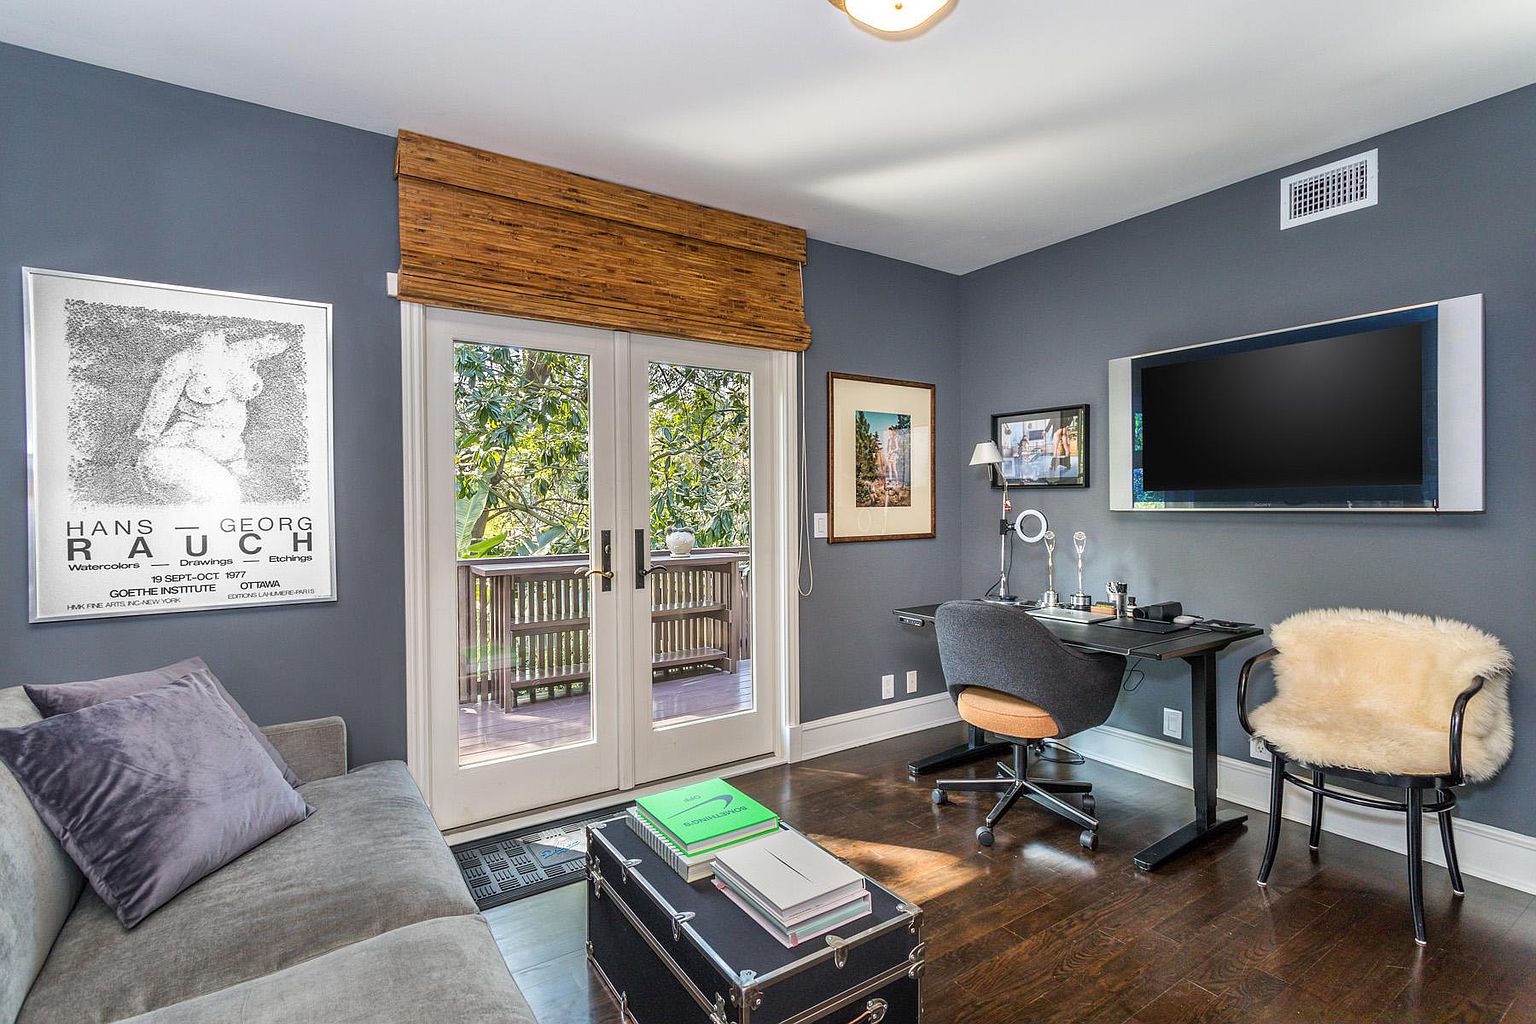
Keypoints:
(893, 17)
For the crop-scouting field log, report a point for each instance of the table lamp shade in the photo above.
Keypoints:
(986, 454)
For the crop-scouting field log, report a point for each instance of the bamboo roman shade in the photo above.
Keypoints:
(493, 233)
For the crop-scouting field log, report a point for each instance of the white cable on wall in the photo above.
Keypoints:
(804, 570)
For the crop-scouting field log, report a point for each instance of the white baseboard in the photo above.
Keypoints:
(870, 725)
(1484, 851)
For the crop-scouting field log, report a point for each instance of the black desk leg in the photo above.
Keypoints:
(975, 748)
(1209, 822)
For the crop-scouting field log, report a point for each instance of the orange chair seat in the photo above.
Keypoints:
(1006, 715)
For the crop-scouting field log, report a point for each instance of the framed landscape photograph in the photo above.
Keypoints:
(1042, 447)
(880, 459)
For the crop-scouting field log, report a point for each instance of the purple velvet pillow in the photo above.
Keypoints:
(62, 698)
(151, 792)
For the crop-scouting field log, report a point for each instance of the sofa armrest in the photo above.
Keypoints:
(315, 749)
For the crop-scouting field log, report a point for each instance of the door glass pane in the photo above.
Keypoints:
(523, 516)
(700, 481)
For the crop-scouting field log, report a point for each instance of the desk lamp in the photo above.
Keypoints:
(986, 454)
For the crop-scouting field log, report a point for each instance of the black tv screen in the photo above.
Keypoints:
(1296, 417)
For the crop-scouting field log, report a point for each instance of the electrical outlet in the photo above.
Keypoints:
(1173, 723)
(1257, 750)
(912, 680)
(819, 524)
(887, 687)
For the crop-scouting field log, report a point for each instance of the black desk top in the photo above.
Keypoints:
(1089, 636)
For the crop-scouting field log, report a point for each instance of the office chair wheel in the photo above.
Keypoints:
(984, 836)
(1089, 839)
(940, 798)
(1089, 804)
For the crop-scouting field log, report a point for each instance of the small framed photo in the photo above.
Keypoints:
(1042, 447)
(880, 459)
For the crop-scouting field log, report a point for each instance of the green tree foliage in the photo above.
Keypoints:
(522, 426)
(701, 450)
(866, 460)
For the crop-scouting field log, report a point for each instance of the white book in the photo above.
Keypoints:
(792, 937)
(691, 868)
(789, 875)
(804, 912)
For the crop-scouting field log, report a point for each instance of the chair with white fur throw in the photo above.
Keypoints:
(1408, 701)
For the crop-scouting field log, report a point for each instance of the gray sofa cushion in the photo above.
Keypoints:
(62, 698)
(38, 881)
(151, 792)
(315, 749)
(443, 970)
(369, 860)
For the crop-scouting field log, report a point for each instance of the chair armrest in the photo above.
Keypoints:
(1242, 685)
(1458, 720)
(315, 749)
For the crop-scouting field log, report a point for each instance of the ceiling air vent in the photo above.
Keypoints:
(1329, 190)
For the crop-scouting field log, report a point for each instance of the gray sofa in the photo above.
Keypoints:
(357, 914)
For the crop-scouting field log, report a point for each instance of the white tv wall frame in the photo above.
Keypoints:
(1459, 373)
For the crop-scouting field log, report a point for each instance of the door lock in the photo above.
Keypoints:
(605, 552)
(641, 553)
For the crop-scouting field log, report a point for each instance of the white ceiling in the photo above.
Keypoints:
(1010, 125)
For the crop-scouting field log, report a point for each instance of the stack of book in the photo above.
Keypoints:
(792, 887)
(688, 827)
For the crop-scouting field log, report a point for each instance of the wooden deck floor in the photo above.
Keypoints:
(1038, 930)
(487, 731)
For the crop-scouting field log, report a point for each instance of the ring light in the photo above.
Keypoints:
(1035, 516)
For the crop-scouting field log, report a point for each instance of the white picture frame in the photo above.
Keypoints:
(179, 448)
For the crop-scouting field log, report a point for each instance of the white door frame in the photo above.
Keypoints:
(784, 392)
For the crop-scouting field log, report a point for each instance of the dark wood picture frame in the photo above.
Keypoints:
(1081, 480)
(832, 459)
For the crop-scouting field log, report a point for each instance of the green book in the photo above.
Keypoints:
(707, 816)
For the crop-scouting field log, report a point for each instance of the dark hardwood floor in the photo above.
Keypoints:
(1036, 929)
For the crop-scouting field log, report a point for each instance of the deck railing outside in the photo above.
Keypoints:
(525, 623)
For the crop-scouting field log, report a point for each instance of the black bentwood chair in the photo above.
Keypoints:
(1010, 676)
(1403, 701)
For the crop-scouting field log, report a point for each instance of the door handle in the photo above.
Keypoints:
(641, 553)
(605, 553)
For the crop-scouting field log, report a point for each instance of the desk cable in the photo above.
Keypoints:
(1007, 568)
(1073, 757)
(1133, 677)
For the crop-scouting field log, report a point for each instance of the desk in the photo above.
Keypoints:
(1195, 646)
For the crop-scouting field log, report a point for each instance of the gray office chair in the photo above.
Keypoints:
(1011, 677)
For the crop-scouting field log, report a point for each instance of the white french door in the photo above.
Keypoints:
(713, 604)
(569, 654)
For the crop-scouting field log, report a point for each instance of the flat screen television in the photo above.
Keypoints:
(1379, 412)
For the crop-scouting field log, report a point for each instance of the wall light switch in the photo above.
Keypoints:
(1173, 723)
(887, 687)
(912, 680)
(819, 524)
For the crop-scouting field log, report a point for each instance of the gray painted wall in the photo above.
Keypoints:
(1457, 215)
(111, 174)
(105, 173)
(885, 318)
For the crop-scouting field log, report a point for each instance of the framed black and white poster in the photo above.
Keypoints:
(1042, 447)
(178, 446)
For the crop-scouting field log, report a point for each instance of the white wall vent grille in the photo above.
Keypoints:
(1329, 190)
